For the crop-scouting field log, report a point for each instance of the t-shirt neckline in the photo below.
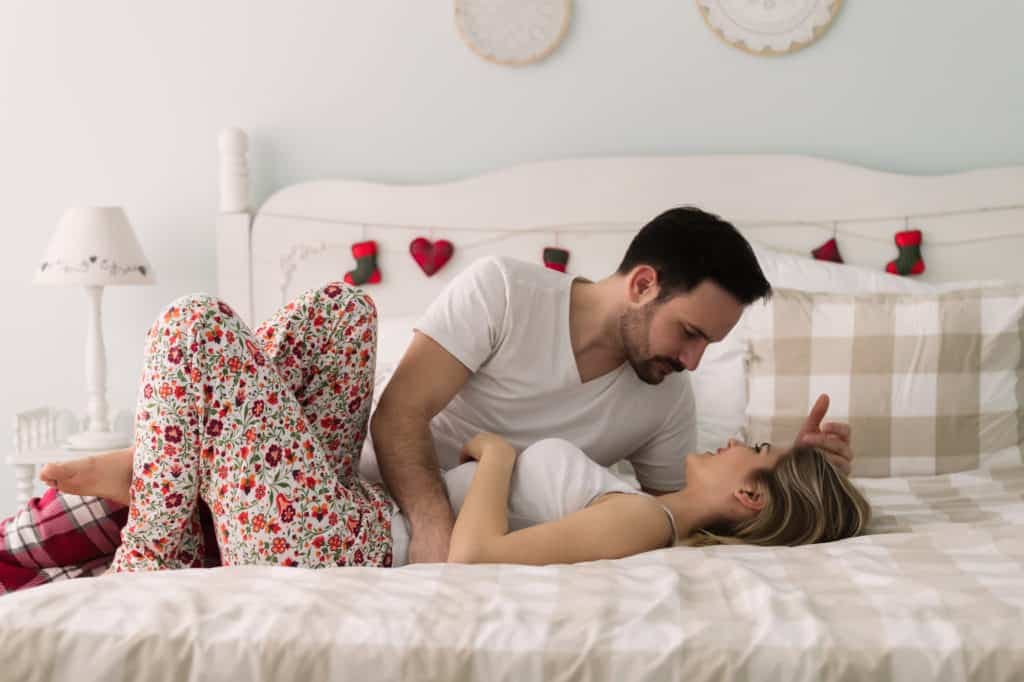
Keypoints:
(606, 378)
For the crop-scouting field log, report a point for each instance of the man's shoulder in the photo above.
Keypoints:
(514, 275)
(490, 271)
(508, 265)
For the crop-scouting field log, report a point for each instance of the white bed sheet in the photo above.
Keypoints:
(943, 602)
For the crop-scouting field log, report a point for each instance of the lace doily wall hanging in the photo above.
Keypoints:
(513, 32)
(769, 27)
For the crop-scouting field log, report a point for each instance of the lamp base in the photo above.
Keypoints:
(98, 440)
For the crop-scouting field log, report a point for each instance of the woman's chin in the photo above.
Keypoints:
(693, 463)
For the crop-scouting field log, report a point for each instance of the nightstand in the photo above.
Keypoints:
(37, 438)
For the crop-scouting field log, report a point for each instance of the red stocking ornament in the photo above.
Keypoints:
(909, 262)
(556, 258)
(366, 271)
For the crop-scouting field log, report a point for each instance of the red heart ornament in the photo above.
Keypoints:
(431, 257)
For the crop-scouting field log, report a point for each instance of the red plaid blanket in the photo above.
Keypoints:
(58, 536)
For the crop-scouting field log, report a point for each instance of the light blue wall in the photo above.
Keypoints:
(113, 101)
(914, 86)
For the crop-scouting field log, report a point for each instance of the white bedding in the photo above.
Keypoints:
(944, 602)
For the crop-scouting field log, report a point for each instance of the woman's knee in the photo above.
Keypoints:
(354, 310)
(337, 300)
(354, 299)
(191, 308)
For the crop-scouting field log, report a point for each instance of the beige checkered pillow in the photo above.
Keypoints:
(930, 383)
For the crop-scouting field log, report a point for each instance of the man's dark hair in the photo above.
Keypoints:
(686, 246)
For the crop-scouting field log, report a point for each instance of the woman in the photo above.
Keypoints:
(266, 428)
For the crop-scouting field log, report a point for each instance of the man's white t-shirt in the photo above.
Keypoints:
(508, 322)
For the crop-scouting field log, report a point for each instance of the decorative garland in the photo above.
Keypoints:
(433, 256)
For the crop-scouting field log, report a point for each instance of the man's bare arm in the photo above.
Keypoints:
(426, 379)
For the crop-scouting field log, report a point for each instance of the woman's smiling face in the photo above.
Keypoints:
(721, 473)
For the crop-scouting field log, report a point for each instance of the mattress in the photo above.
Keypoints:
(936, 592)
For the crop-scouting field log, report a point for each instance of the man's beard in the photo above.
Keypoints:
(635, 331)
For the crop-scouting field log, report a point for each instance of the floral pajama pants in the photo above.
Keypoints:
(266, 428)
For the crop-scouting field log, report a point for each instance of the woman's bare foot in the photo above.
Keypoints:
(107, 475)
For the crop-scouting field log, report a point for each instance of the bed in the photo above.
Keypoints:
(934, 591)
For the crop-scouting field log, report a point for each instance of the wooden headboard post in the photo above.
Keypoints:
(234, 224)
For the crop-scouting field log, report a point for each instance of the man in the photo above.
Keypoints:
(528, 353)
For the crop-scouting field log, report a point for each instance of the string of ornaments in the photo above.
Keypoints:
(432, 256)
(908, 262)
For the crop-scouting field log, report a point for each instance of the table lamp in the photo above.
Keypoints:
(95, 247)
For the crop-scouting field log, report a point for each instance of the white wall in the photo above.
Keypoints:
(111, 101)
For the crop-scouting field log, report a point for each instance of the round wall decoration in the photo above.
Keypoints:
(769, 27)
(513, 32)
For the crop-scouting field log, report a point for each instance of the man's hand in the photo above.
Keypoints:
(429, 544)
(832, 438)
(426, 379)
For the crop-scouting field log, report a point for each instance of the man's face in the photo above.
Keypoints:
(661, 337)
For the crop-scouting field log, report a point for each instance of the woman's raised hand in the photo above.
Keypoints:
(832, 438)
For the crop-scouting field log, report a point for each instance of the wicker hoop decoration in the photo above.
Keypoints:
(513, 32)
(769, 27)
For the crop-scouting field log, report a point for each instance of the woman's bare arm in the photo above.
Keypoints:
(620, 526)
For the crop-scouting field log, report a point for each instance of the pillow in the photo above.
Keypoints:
(792, 271)
(719, 383)
(930, 383)
(394, 333)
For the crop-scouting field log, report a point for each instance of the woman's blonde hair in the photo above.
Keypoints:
(807, 500)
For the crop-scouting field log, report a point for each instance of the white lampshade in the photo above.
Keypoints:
(94, 246)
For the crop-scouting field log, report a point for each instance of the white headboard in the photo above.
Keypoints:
(973, 222)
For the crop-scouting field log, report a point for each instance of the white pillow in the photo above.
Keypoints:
(719, 383)
(393, 336)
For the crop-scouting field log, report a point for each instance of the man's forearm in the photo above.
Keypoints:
(408, 464)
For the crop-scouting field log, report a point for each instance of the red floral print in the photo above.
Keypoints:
(266, 427)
